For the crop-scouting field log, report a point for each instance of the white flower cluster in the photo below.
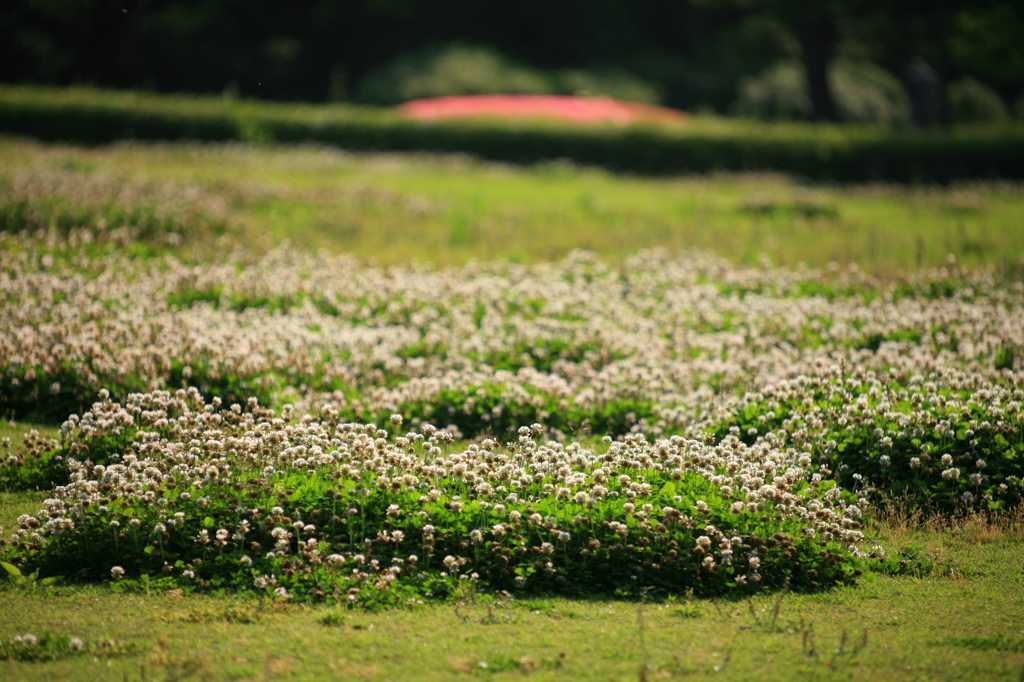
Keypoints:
(670, 337)
(223, 453)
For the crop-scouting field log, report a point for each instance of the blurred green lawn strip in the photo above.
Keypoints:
(391, 208)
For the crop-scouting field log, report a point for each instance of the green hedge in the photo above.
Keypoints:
(824, 152)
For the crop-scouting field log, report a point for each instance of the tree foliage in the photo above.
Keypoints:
(692, 53)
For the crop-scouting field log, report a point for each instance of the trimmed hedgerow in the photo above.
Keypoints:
(845, 153)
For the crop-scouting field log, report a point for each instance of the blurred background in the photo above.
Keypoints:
(885, 62)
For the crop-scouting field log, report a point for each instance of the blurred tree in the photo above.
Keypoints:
(694, 52)
(988, 42)
(815, 24)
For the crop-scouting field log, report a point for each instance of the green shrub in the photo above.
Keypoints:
(863, 92)
(866, 93)
(454, 70)
(970, 101)
(466, 70)
(780, 93)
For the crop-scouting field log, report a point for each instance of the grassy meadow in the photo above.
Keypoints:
(393, 208)
(302, 413)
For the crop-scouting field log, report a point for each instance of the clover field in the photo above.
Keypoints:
(227, 428)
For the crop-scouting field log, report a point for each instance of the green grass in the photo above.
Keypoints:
(390, 209)
(17, 430)
(961, 623)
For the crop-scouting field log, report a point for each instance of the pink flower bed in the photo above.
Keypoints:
(562, 107)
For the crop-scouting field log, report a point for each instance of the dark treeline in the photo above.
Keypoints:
(694, 53)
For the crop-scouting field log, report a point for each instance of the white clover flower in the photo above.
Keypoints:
(75, 644)
(264, 581)
(245, 561)
(116, 572)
